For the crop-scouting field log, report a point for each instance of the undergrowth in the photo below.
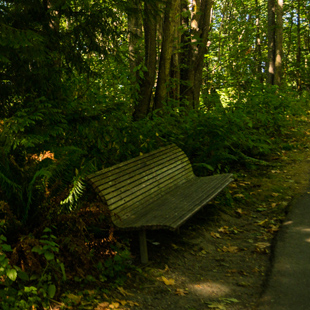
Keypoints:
(54, 234)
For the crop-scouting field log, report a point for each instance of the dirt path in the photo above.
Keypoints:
(221, 260)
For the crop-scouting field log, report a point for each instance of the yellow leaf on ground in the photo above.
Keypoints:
(261, 247)
(224, 230)
(215, 235)
(127, 302)
(102, 306)
(238, 196)
(132, 303)
(239, 211)
(181, 292)
(123, 292)
(262, 223)
(230, 249)
(168, 281)
(114, 305)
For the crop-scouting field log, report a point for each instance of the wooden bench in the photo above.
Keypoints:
(157, 190)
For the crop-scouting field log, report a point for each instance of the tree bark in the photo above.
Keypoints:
(271, 41)
(166, 53)
(146, 82)
(258, 48)
(298, 52)
(279, 43)
(200, 26)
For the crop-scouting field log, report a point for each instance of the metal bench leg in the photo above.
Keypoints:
(143, 247)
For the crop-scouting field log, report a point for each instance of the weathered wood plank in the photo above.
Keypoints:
(131, 165)
(172, 210)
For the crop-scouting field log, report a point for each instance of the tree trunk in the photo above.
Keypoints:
(200, 26)
(166, 53)
(298, 52)
(146, 82)
(258, 48)
(279, 43)
(271, 41)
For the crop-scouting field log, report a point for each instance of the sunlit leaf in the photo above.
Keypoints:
(215, 235)
(123, 292)
(11, 274)
(168, 281)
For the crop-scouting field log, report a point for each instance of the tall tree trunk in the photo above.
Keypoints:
(271, 42)
(146, 81)
(200, 26)
(298, 51)
(166, 52)
(279, 43)
(258, 48)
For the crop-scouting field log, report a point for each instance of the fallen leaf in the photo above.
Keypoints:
(224, 230)
(262, 223)
(230, 249)
(273, 228)
(102, 306)
(181, 292)
(238, 196)
(262, 247)
(132, 303)
(114, 305)
(168, 281)
(215, 235)
(275, 194)
(239, 211)
(123, 292)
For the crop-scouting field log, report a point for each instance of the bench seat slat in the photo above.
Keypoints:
(177, 206)
(155, 174)
(136, 168)
(132, 164)
(147, 194)
(148, 183)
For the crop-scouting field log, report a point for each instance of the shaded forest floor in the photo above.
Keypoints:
(221, 258)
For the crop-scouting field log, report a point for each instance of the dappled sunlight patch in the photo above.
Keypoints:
(42, 156)
(209, 289)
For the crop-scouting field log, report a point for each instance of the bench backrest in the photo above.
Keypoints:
(139, 180)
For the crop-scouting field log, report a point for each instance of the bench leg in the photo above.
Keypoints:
(143, 247)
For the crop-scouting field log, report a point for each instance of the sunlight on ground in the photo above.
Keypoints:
(301, 229)
(304, 230)
(209, 289)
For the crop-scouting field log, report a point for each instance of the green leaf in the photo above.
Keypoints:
(6, 248)
(30, 289)
(12, 274)
(3, 238)
(49, 255)
(23, 275)
(51, 290)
